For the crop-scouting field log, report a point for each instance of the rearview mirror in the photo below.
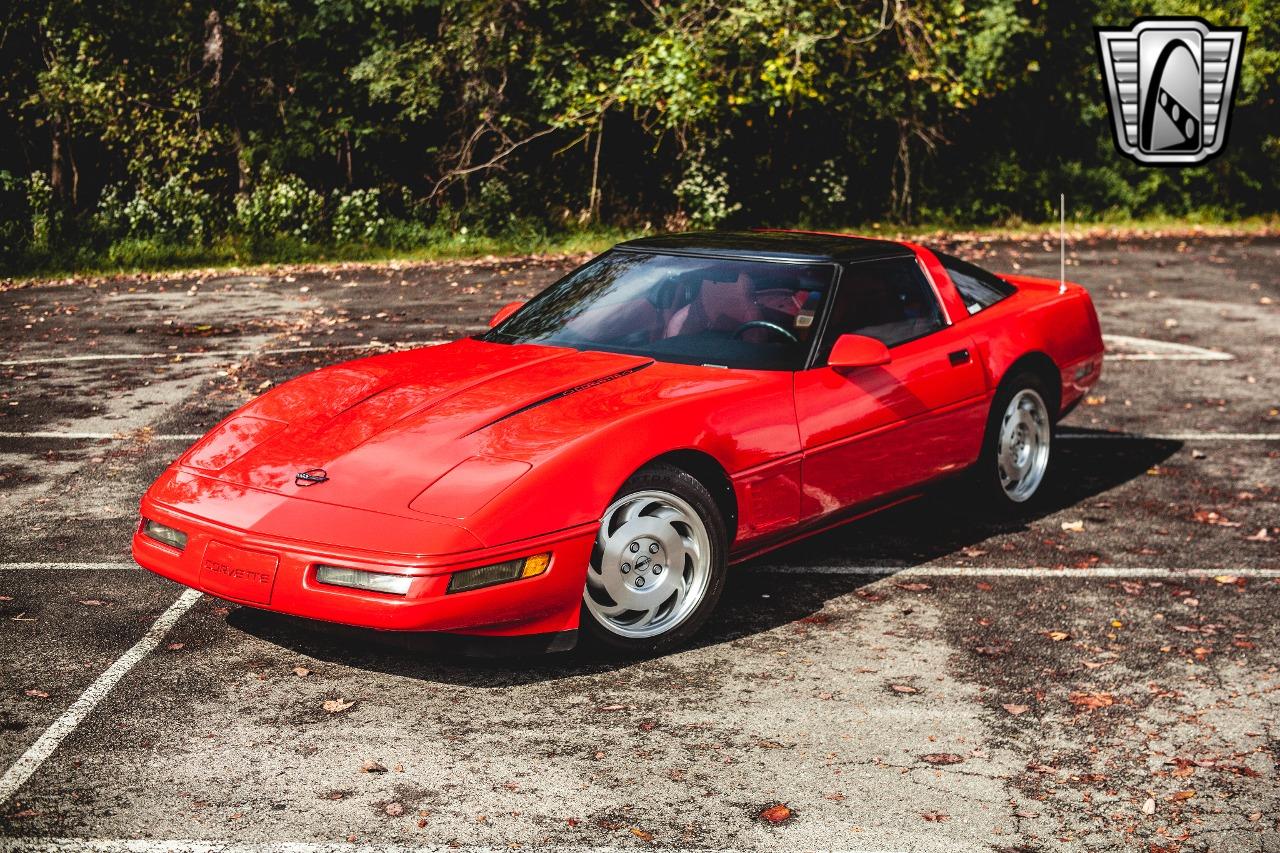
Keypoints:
(857, 351)
(504, 312)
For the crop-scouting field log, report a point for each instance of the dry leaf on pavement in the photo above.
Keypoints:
(776, 814)
(1092, 701)
(334, 706)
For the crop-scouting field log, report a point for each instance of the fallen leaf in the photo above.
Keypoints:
(776, 814)
(1260, 536)
(984, 586)
(93, 602)
(1057, 636)
(372, 766)
(1226, 579)
(1149, 806)
(1092, 701)
(1177, 796)
(1210, 517)
(935, 817)
(1015, 709)
(914, 586)
(942, 758)
(904, 688)
(641, 834)
(302, 672)
(36, 694)
(394, 809)
(1073, 526)
(334, 706)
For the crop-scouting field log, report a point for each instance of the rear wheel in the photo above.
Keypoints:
(658, 565)
(1018, 444)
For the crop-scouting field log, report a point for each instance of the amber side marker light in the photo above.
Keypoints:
(165, 535)
(511, 570)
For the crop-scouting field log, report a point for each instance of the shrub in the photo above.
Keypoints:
(44, 218)
(281, 206)
(703, 193)
(357, 217)
(174, 212)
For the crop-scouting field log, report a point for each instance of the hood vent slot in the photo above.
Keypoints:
(565, 393)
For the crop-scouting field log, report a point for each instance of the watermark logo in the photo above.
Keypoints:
(1170, 85)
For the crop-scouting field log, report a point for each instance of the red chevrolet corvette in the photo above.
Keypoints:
(598, 458)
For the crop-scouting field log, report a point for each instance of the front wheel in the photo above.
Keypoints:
(1018, 444)
(658, 565)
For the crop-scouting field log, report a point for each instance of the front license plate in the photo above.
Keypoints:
(238, 573)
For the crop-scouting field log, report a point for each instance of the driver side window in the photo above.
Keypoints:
(888, 300)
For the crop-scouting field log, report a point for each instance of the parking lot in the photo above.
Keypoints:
(1099, 675)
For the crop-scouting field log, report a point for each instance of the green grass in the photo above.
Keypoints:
(143, 256)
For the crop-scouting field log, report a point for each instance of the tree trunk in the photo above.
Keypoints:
(900, 197)
(58, 160)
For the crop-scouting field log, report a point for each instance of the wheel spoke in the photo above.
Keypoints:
(641, 531)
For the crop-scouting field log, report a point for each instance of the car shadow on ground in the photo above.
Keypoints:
(941, 523)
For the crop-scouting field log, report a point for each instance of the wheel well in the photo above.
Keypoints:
(1043, 367)
(705, 469)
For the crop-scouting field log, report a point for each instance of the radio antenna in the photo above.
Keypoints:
(1062, 242)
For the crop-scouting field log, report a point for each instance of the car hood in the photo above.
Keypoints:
(382, 429)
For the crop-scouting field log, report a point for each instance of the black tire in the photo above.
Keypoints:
(668, 479)
(991, 489)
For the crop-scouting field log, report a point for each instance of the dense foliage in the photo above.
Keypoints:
(132, 124)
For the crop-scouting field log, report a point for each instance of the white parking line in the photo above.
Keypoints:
(101, 436)
(156, 845)
(834, 569)
(1134, 572)
(1169, 436)
(29, 762)
(1127, 348)
(215, 353)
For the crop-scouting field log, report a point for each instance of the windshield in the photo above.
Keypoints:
(725, 313)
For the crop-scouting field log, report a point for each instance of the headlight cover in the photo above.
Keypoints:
(170, 536)
(358, 579)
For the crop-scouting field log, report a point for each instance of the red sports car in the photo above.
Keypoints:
(598, 458)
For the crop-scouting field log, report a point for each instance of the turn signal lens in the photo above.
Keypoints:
(525, 567)
(357, 579)
(166, 535)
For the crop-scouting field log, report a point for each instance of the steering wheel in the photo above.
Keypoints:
(765, 324)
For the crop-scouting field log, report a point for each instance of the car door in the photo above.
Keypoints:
(869, 432)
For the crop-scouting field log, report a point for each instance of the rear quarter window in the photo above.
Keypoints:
(978, 288)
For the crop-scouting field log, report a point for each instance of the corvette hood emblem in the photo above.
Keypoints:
(310, 477)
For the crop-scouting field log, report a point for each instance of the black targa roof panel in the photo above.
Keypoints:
(770, 245)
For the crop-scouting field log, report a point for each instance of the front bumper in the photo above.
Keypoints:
(279, 574)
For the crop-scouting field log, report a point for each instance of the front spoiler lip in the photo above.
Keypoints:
(545, 604)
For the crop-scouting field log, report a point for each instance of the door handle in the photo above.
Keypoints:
(959, 357)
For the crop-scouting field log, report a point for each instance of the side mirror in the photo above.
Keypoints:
(504, 312)
(857, 351)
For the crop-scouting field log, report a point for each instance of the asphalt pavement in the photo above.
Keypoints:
(1100, 674)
